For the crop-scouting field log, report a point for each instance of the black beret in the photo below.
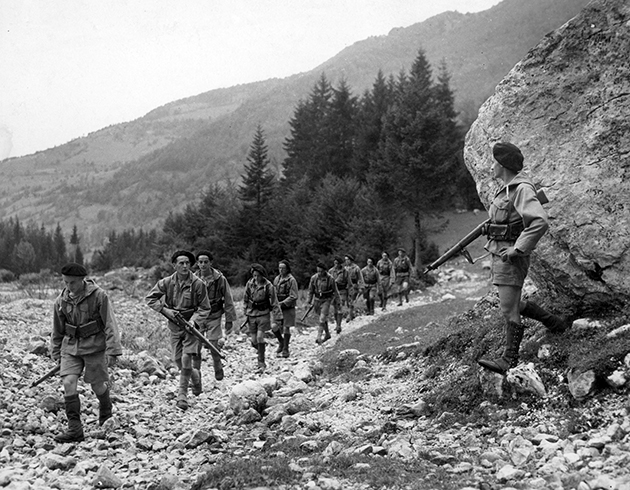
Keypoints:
(320, 265)
(508, 156)
(259, 268)
(184, 253)
(400, 249)
(286, 262)
(74, 269)
(206, 253)
(350, 256)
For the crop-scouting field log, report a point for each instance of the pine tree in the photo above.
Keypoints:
(59, 243)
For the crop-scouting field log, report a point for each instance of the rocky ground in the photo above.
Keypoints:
(362, 393)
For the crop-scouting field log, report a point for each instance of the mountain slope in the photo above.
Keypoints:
(132, 174)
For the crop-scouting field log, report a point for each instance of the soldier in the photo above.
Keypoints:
(221, 303)
(402, 272)
(84, 337)
(372, 280)
(322, 292)
(386, 270)
(287, 291)
(340, 275)
(185, 293)
(517, 222)
(261, 302)
(356, 285)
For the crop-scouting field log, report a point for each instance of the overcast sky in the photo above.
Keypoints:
(70, 67)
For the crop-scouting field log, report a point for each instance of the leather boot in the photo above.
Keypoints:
(338, 318)
(75, 428)
(327, 332)
(216, 361)
(509, 359)
(320, 332)
(195, 375)
(278, 335)
(285, 346)
(104, 407)
(182, 396)
(261, 357)
(554, 323)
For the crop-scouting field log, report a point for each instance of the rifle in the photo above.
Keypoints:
(307, 312)
(459, 248)
(49, 374)
(179, 320)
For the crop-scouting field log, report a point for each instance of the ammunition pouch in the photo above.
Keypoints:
(83, 331)
(216, 306)
(324, 294)
(508, 232)
(261, 305)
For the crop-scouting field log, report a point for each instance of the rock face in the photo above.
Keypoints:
(566, 106)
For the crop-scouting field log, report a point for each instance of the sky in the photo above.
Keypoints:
(71, 67)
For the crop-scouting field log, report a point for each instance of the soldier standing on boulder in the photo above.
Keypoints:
(287, 291)
(402, 273)
(322, 292)
(372, 280)
(356, 284)
(221, 303)
(261, 302)
(185, 293)
(340, 275)
(386, 270)
(517, 222)
(84, 337)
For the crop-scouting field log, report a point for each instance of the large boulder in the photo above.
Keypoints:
(566, 106)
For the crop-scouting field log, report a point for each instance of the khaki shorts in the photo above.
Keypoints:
(260, 323)
(509, 273)
(95, 367)
(288, 319)
(183, 343)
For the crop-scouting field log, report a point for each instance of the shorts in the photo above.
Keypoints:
(260, 323)
(212, 329)
(343, 297)
(183, 343)
(322, 308)
(509, 273)
(288, 319)
(95, 367)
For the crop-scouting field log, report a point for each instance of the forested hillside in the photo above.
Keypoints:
(135, 173)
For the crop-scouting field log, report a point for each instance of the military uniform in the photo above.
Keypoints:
(341, 277)
(322, 293)
(386, 270)
(372, 279)
(356, 285)
(221, 303)
(287, 292)
(260, 304)
(84, 333)
(402, 273)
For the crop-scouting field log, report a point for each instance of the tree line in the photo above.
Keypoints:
(361, 175)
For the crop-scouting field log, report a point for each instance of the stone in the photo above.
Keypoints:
(581, 384)
(106, 478)
(565, 105)
(525, 379)
(346, 359)
(246, 395)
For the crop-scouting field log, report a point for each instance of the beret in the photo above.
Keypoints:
(206, 253)
(259, 268)
(400, 249)
(320, 265)
(508, 156)
(184, 253)
(74, 269)
(286, 262)
(350, 256)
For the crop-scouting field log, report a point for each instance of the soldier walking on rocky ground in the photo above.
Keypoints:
(260, 304)
(221, 303)
(402, 274)
(322, 293)
(287, 291)
(356, 285)
(372, 280)
(386, 270)
(517, 222)
(340, 275)
(184, 293)
(85, 337)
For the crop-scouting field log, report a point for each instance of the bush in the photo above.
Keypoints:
(6, 276)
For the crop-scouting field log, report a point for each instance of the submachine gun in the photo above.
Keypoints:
(460, 247)
(179, 320)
